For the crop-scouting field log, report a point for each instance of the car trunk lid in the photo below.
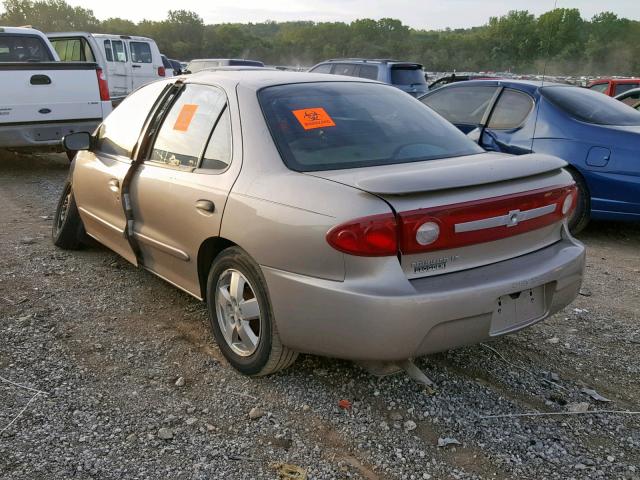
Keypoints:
(486, 207)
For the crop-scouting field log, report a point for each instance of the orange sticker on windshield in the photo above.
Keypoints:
(311, 118)
(185, 116)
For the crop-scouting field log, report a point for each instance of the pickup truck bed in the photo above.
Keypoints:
(42, 102)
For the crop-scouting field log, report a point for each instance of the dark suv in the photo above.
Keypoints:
(407, 76)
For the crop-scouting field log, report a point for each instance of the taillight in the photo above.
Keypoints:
(161, 72)
(103, 85)
(374, 236)
(453, 226)
(480, 221)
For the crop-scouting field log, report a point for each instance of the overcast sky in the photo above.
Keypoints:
(423, 14)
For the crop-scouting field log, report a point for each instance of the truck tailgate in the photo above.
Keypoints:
(49, 92)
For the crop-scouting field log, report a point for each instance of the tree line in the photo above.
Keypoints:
(519, 41)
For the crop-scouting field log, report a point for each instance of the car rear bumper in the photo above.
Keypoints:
(42, 136)
(378, 319)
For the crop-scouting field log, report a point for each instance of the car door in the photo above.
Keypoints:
(118, 69)
(179, 191)
(511, 125)
(467, 107)
(98, 174)
(142, 68)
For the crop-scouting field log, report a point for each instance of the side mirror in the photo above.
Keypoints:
(186, 72)
(77, 141)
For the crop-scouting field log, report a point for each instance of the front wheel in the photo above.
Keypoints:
(241, 316)
(67, 231)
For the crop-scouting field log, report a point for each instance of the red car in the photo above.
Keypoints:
(614, 86)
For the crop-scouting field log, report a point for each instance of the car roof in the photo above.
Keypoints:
(615, 80)
(257, 78)
(21, 30)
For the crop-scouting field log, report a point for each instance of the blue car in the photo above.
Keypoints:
(598, 136)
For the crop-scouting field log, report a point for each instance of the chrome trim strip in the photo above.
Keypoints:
(102, 221)
(175, 252)
(511, 219)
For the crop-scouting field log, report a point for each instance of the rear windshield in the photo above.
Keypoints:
(336, 125)
(23, 48)
(407, 76)
(591, 107)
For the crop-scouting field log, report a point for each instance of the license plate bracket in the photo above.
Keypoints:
(518, 309)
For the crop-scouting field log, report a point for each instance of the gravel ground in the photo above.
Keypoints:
(124, 380)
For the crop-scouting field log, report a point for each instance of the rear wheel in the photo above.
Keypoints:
(580, 217)
(67, 231)
(241, 316)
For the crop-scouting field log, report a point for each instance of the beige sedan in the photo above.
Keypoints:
(323, 214)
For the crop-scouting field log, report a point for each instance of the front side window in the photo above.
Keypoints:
(345, 69)
(187, 126)
(335, 125)
(119, 133)
(324, 68)
(23, 48)
(141, 52)
(511, 110)
(119, 52)
(591, 107)
(462, 105)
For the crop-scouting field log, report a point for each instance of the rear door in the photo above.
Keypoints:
(180, 190)
(142, 67)
(98, 174)
(118, 67)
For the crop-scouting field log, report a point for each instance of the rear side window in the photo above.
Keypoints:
(511, 110)
(119, 51)
(119, 133)
(462, 105)
(23, 48)
(591, 107)
(624, 87)
(632, 98)
(324, 68)
(335, 125)
(108, 51)
(368, 71)
(408, 76)
(73, 49)
(140, 52)
(217, 156)
(599, 87)
(187, 127)
(347, 69)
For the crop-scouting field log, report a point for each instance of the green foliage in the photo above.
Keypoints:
(560, 40)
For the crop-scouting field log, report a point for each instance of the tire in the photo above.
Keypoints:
(582, 214)
(67, 231)
(251, 344)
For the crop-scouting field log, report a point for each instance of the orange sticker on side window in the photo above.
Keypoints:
(311, 118)
(185, 116)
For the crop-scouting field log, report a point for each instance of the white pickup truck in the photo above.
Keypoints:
(43, 99)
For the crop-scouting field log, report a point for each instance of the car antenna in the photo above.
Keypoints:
(546, 60)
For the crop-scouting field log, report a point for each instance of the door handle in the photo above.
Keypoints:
(114, 185)
(136, 66)
(205, 205)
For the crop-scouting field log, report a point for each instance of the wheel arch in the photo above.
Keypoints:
(208, 251)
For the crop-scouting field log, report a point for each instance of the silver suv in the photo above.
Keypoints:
(407, 76)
